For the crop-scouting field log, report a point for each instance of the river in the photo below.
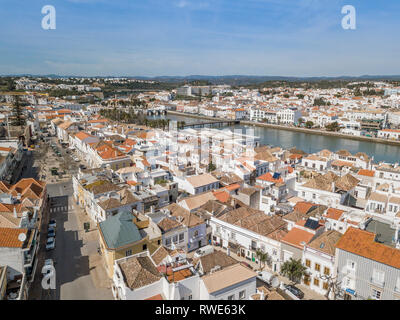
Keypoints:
(310, 143)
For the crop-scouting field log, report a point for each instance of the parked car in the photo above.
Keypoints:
(51, 234)
(246, 265)
(48, 262)
(50, 244)
(294, 290)
(52, 223)
(203, 251)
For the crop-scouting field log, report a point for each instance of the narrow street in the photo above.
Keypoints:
(71, 255)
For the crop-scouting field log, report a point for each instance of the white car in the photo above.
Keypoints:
(52, 223)
(51, 243)
(48, 262)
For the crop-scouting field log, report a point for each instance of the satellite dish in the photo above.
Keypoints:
(22, 237)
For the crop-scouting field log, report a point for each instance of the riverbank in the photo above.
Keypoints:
(296, 129)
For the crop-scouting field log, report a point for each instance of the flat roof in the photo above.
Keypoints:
(227, 277)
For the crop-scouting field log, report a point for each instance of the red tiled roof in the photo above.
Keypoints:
(296, 236)
(363, 243)
(9, 237)
(367, 173)
(334, 214)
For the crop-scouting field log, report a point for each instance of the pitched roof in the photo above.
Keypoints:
(139, 272)
(119, 230)
(334, 214)
(268, 177)
(326, 242)
(217, 258)
(363, 243)
(367, 173)
(167, 224)
(9, 237)
(159, 255)
(256, 221)
(296, 237)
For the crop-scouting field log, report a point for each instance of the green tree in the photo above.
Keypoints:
(309, 124)
(334, 126)
(263, 258)
(294, 270)
(211, 167)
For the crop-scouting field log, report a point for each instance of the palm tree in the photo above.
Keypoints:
(263, 257)
(294, 270)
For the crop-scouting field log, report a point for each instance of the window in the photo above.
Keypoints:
(233, 235)
(128, 253)
(325, 285)
(313, 195)
(307, 280)
(175, 240)
(190, 297)
(327, 271)
(378, 276)
(308, 263)
(196, 233)
(351, 265)
(181, 237)
(376, 294)
(167, 241)
(232, 297)
(159, 242)
(144, 247)
(316, 282)
(242, 294)
(317, 267)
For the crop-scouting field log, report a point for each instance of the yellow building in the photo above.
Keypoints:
(126, 234)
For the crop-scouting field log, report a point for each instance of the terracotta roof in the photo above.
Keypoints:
(367, 173)
(334, 214)
(297, 236)
(326, 242)
(159, 255)
(268, 177)
(156, 297)
(167, 224)
(217, 258)
(139, 272)
(363, 243)
(256, 221)
(9, 237)
(221, 195)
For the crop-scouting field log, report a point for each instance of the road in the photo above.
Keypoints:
(71, 255)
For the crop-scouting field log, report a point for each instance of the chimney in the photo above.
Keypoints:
(15, 213)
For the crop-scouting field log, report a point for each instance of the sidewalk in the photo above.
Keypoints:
(90, 244)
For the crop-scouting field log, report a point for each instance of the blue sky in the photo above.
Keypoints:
(208, 37)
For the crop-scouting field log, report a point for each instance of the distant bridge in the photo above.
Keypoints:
(156, 112)
(211, 124)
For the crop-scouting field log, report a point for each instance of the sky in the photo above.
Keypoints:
(200, 37)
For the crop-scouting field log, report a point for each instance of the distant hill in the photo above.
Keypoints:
(230, 79)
